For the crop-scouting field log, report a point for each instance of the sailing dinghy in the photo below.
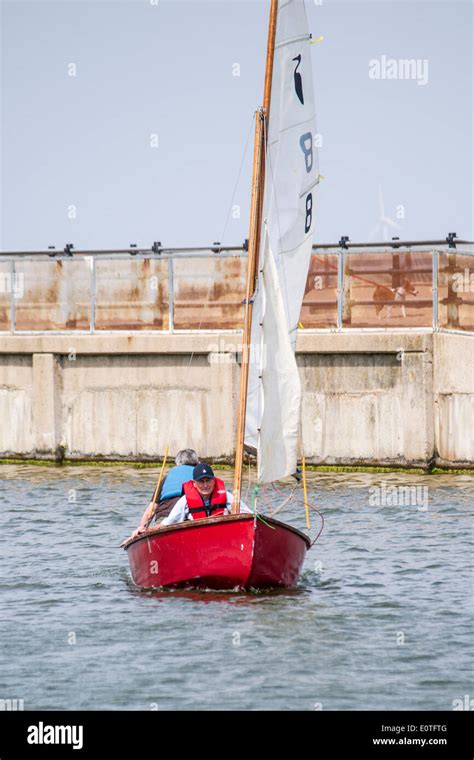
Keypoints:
(241, 550)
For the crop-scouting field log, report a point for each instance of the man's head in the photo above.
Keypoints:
(186, 456)
(203, 477)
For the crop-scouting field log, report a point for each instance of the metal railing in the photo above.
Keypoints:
(410, 285)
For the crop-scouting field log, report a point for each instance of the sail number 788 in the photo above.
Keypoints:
(306, 144)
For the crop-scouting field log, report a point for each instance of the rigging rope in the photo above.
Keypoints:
(302, 501)
(238, 178)
(205, 302)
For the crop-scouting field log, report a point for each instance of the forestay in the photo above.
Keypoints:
(291, 176)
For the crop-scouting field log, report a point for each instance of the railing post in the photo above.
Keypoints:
(12, 298)
(434, 288)
(452, 301)
(93, 296)
(340, 287)
(170, 294)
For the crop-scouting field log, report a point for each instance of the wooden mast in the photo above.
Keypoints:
(256, 207)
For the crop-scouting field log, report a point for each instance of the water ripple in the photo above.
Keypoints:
(381, 618)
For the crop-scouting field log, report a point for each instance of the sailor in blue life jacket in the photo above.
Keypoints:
(171, 489)
(203, 496)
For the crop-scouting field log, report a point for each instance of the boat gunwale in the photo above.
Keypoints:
(210, 521)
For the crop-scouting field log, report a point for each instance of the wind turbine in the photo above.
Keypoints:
(384, 225)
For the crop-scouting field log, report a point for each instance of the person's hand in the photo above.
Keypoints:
(136, 532)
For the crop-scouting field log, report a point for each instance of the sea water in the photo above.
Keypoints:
(381, 618)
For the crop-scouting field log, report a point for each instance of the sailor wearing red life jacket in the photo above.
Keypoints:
(203, 496)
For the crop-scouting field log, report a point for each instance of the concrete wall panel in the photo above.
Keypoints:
(455, 427)
(16, 408)
(135, 406)
(349, 427)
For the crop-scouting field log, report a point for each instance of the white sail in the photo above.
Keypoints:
(291, 177)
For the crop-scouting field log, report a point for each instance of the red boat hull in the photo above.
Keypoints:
(229, 552)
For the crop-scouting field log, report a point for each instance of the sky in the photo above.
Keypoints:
(125, 122)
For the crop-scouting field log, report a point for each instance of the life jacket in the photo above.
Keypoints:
(196, 503)
(173, 483)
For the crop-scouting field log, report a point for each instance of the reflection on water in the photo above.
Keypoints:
(380, 619)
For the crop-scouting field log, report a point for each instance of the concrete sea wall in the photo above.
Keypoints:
(400, 399)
